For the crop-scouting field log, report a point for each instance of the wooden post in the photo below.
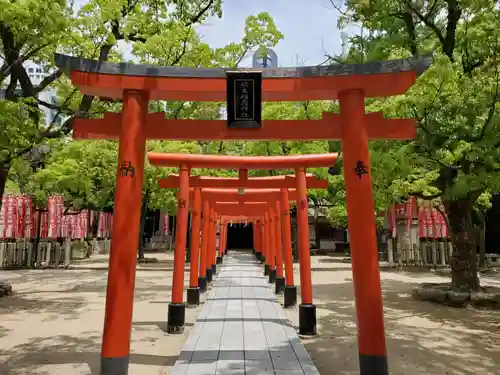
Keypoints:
(272, 247)
(280, 280)
(177, 308)
(221, 244)
(267, 256)
(224, 238)
(213, 243)
(122, 259)
(205, 267)
(258, 239)
(307, 310)
(193, 292)
(361, 221)
(290, 290)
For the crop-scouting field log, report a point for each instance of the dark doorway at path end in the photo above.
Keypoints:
(239, 236)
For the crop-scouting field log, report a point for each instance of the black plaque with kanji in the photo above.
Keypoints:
(244, 100)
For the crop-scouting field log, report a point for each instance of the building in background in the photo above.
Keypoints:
(37, 74)
(264, 58)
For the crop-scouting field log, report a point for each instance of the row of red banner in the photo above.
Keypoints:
(18, 219)
(431, 223)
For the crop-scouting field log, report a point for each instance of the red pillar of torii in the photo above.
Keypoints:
(211, 197)
(137, 84)
(250, 196)
(307, 310)
(283, 181)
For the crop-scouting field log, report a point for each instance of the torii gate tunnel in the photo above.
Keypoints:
(137, 84)
(229, 203)
(185, 162)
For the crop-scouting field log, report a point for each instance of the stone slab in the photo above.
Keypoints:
(242, 328)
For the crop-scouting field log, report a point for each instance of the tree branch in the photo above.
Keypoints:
(54, 107)
(454, 14)
(198, 16)
(84, 106)
(6, 68)
(427, 22)
(443, 214)
(493, 106)
(178, 110)
(66, 211)
(181, 55)
(48, 80)
(426, 197)
(268, 150)
(338, 9)
(410, 29)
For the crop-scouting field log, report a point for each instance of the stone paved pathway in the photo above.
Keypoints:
(242, 329)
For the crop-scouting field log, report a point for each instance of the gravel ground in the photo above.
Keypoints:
(422, 338)
(53, 323)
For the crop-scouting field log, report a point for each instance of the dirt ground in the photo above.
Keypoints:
(53, 323)
(422, 338)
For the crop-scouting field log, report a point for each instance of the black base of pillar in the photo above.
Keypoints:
(262, 259)
(307, 319)
(279, 284)
(214, 270)
(202, 284)
(218, 260)
(210, 276)
(225, 252)
(193, 296)
(266, 269)
(176, 318)
(373, 365)
(272, 276)
(114, 365)
(258, 256)
(290, 296)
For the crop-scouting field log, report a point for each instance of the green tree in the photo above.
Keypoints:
(455, 156)
(34, 29)
(82, 172)
(75, 170)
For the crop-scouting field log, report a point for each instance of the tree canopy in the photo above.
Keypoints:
(455, 158)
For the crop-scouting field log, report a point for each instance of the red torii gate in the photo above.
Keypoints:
(281, 220)
(290, 290)
(185, 162)
(207, 269)
(267, 182)
(265, 221)
(243, 181)
(137, 84)
(275, 210)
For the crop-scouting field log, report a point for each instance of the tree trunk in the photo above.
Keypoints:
(482, 244)
(36, 243)
(95, 225)
(4, 174)
(463, 237)
(316, 229)
(144, 210)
